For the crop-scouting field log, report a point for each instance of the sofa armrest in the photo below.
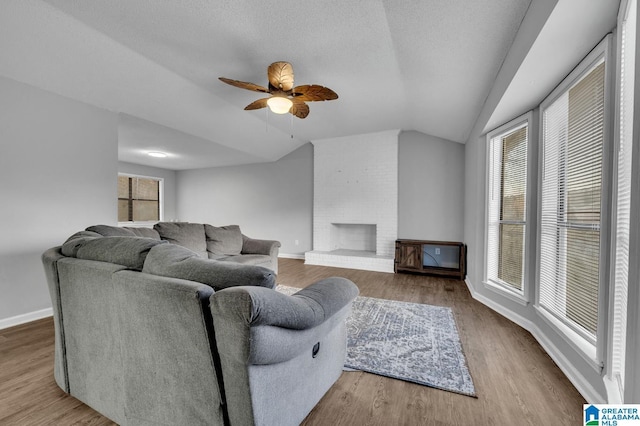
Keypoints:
(255, 246)
(305, 309)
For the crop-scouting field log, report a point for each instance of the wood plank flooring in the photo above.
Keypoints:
(516, 381)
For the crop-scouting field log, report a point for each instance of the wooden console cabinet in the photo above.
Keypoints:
(441, 258)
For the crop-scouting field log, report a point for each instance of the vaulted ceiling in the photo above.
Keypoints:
(425, 65)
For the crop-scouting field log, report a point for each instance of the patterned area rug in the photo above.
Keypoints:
(407, 341)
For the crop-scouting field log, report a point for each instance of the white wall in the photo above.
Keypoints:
(268, 200)
(58, 162)
(431, 187)
(169, 181)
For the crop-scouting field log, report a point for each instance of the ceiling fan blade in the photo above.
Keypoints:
(280, 75)
(299, 108)
(313, 92)
(260, 103)
(244, 85)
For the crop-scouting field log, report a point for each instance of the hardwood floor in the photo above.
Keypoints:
(516, 381)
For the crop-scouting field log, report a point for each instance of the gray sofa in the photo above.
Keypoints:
(224, 243)
(148, 333)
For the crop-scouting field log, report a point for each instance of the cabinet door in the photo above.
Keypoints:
(410, 256)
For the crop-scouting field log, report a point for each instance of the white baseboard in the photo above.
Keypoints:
(291, 256)
(578, 380)
(25, 318)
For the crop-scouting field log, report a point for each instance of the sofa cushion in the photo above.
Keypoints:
(125, 231)
(223, 239)
(248, 259)
(72, 245)
(189, 235)
(111, 231)
(171, 260)
(143, 232)
(127, 251)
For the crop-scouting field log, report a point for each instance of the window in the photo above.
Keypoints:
(573, 132)
(138, 199)
(623, 207)
(507, 205)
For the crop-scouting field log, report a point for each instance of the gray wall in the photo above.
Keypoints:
(169, 179)
(58, 161)
(57, 175)
(430, 188)
(268, 200)
(474, 203)
(275, 200)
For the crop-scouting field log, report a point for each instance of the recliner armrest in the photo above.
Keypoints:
(305, 309)
(262, 326)
(255, 246)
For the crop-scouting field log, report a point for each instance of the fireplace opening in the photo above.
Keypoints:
(352, 236)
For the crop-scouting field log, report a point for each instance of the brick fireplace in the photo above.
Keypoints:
(355, 203)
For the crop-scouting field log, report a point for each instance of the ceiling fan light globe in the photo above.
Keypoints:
(279, 105)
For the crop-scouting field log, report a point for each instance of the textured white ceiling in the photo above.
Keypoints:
(425, 65)
(420, 65)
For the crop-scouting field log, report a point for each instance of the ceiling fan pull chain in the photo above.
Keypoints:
(291, 125)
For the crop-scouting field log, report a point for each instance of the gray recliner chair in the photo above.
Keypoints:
(142, 345)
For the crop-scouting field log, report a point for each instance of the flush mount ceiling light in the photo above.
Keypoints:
(284, 97)
(157, 154)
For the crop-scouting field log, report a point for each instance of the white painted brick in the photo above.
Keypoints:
(356, 181)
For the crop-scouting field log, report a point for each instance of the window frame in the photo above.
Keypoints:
(592, 352)
(615, 380)
(160, 201)
(520, 296)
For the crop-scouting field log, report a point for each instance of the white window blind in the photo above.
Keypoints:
(627, 72)
(572, 150)
(506, 209)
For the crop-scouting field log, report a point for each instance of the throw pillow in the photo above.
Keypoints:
(111, 231)
(189, 235)
(225, 240)
(128, 251)
(144, 232)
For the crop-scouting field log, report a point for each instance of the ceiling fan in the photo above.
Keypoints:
(284, 97)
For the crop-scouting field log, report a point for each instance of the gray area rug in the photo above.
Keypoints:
(408, 341)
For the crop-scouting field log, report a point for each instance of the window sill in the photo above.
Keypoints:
(146, 224)
(506, 292)
(614, 396)
(582, 346)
